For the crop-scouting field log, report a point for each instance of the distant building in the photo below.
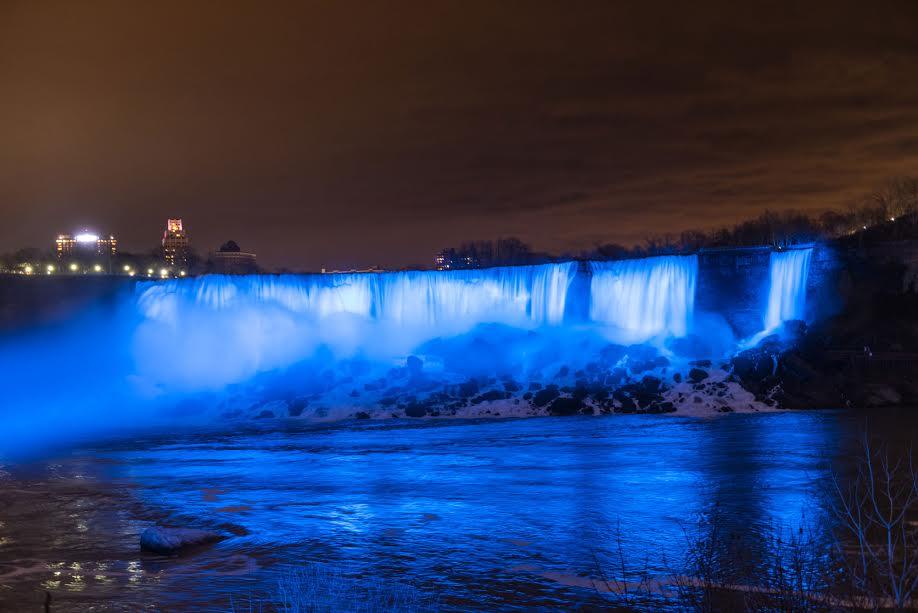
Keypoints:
(231, 260)
(175, 243)
(85, 243)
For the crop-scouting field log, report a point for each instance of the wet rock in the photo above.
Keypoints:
(581, 391)
(511, 386)
(167, 541)
(562, 372)
(793, 330)
(697, 375)
(755, 368)
(641, 366)
(661, 407)
(642, 353)
(701, 363)
(415, 410)
(362, 415)
(265, 414)
(677, 377)
(296, 406)
(612, 354)
(535, 386)
(625, 403)
(490, 396)
(468, 389)
(544, 396)
(414, 365)
(616, 377)
(565, 406)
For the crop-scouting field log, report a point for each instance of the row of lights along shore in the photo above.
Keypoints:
(77, 269)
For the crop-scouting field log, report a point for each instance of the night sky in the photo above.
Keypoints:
(350, 134)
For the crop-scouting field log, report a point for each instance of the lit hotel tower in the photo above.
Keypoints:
(175, 243)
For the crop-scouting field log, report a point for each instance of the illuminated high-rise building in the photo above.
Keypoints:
(65, 244)
(175, 243)
(85, 243)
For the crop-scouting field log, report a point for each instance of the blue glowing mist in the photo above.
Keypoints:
(217, 330)
(172, 347)
(646, 298)
(788, 272)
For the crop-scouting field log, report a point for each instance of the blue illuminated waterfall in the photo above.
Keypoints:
(219, 329)
(524, 295)
(788, 272)
(645, 298)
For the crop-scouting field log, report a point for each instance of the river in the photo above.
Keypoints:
(486, 514)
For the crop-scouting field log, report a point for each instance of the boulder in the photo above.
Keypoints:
(415, 410)
(468, 389)
(414, 364)
(611, 354)
(167, 541)
(490, 396)
(295, 407)
(565, 406)
(544, 396)
(697, 375)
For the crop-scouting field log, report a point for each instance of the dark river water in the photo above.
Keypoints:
(470, 515)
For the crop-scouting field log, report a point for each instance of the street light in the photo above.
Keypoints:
(74, 267)
(97, 267)
(50, 268)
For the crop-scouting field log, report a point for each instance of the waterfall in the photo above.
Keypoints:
(788, 272)
(523, 295)
(645, 298)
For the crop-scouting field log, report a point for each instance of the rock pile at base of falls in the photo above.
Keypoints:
(609, 379)
(789, 370)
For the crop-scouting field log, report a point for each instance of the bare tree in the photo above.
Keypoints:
(880, 544)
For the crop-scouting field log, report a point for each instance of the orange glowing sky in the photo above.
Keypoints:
(355, 133)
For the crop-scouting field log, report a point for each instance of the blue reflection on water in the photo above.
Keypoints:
(472, 509)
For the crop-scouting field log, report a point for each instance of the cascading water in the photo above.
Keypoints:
(221, 329)
(642, 299)
(788, 272)
(524, 295)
